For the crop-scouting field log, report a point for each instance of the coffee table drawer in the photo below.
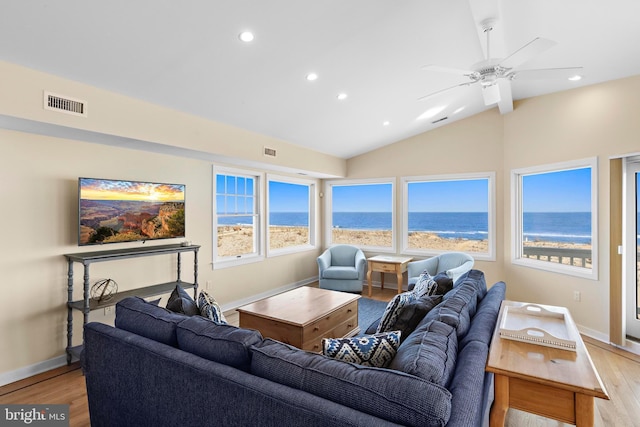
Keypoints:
(347, 328)
(320, 327)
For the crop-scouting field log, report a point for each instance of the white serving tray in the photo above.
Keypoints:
(534, 324)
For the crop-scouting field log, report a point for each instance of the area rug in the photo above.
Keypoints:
(369, 310)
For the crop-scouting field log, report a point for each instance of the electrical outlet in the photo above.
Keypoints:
(208, 285)
(109, 310)
(576, 296)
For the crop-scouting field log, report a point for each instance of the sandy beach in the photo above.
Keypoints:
(234, 240)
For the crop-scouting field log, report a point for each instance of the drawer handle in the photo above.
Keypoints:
(349, 311)
(315, 347)
(349, 325)
(316, 329)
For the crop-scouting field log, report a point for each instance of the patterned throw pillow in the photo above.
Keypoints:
(210, 308)
(425, 285)
(376, 350)
(394, 307)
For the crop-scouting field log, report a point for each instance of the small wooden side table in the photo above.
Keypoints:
(554, 383)
(387, 264)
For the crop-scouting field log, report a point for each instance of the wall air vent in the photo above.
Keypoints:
(439, 120)
(64, 104)
(269, 152)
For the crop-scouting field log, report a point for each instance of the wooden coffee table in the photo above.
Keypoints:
(303, 316)
(387, 264)
(554, 383)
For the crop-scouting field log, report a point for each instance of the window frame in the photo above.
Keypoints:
(491, 214)
(328, 213)
(313, 222)
(258, 254)
(517, 218)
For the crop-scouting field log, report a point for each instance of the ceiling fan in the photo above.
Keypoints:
(495, 74)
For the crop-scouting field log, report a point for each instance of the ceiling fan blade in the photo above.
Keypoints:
(546, 73)
(452, 70)
(444, 90)
(528, 51)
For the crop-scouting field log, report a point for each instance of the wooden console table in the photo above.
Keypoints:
(87, 304)
(387, 264)
(554, 383)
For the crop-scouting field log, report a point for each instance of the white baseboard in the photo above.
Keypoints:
(31, 370)
(630, 346)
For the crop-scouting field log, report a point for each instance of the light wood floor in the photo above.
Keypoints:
(619, 370)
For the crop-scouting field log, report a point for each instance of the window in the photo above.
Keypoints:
(237, 215)
(449, 213)
(554, 217)
(361, 213)
(291, 214)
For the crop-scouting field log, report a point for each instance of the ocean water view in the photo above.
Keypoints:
(564, 227)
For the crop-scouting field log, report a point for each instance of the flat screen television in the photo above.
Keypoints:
(114, 211)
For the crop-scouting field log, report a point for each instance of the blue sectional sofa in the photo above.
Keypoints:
(157, 368)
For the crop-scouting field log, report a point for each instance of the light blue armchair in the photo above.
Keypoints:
(455, 264)
(342, 268)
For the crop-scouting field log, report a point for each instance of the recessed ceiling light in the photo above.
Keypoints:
(342, 96)
(458, 110)
(312, 76)
(431, 112)
(246, 36)
(387, 123)
(575, 78)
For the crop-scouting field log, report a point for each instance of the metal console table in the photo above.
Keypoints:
(87, 304)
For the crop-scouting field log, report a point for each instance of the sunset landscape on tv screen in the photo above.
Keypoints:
(113, 211)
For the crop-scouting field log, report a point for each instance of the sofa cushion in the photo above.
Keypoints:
(209, 308)
(181, 302)
(368, 350)
(409, 315)
(486, 316)
(388, 394)
(218, 342)
(429, 353)
(344, 273)
(136, 315)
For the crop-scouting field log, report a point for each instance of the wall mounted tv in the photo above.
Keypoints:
(114, 211)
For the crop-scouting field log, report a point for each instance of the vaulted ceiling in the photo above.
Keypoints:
(187, 55)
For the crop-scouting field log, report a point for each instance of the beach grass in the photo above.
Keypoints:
(238, 239)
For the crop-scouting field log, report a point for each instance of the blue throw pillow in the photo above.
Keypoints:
(394, 308)
(376, 350)
(410, 315)
(181, 302)
(444, 282)
(209, 308)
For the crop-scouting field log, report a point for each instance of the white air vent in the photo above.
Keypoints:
(269, 152)
(64, 104)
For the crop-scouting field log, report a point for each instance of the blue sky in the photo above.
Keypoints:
(362, 198)
(563, 191)
(286, 197)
